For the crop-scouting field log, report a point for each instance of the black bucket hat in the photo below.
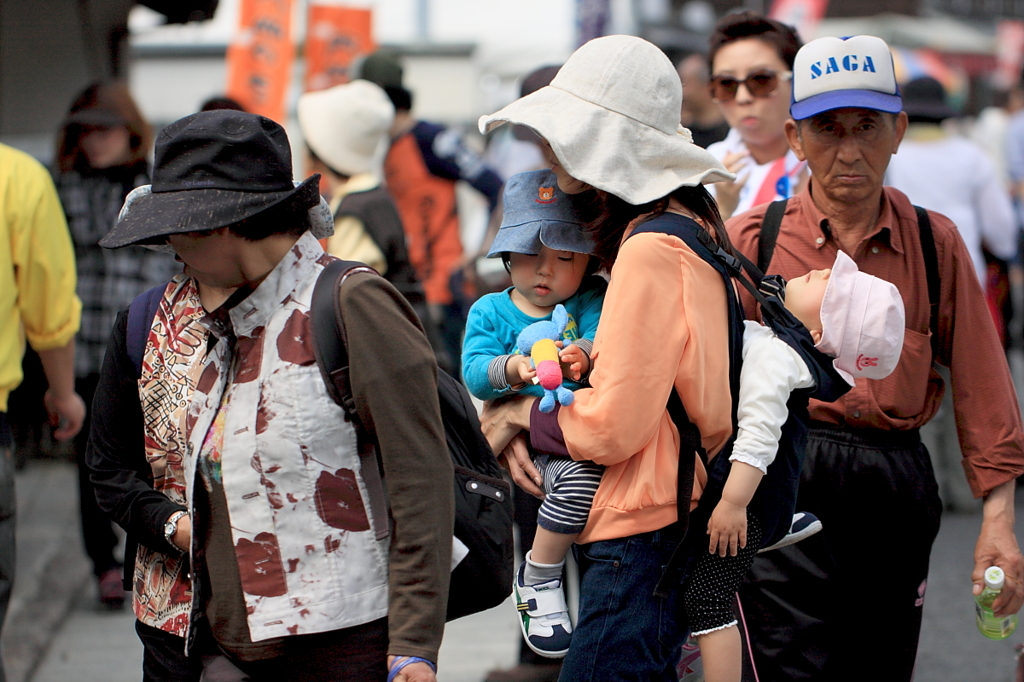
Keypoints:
(213, 169)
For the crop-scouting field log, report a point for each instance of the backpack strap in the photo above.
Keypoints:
(330, 347)
(770, 233)
(689, 436)
(931, 269)
(140, 321)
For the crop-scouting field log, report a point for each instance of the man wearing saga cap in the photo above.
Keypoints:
(254, 540)
(813, 605)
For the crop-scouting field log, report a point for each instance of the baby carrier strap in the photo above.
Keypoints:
(690, 233)
(772, 223)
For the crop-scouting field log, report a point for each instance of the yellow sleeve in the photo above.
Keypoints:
(350, 241)
(42, 254)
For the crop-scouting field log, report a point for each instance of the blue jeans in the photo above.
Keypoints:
(625, 632)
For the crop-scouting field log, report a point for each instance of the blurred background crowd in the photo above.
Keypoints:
(86, 84)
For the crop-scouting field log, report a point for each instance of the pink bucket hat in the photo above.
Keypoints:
(862, 322)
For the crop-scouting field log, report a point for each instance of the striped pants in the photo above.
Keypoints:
(569, 489)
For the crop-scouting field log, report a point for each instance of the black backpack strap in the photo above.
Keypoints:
(140, 321)
(770, 233)
(931, 269)
(690, 441)
(330, 346)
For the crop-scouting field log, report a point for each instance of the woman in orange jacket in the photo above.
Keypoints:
(610, 123)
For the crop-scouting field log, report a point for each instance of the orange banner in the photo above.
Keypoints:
(261, 56)
(335, 37)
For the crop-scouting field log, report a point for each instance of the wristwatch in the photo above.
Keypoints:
(171, 527)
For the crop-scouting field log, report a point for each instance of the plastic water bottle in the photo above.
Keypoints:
(989, 624)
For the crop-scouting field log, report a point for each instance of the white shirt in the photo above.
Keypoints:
(953, 176)
(771, 371)
(756, 173)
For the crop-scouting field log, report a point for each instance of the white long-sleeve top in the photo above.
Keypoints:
(771, 371)
(952, 176)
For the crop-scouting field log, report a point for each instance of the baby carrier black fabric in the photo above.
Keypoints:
(775, 500)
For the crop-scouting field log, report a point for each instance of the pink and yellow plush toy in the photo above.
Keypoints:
(538, 342)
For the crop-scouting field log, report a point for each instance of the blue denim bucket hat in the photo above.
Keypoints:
(537, 212)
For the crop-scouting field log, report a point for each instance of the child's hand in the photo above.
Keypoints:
(727, 528)
(575, 363)
(519, 370)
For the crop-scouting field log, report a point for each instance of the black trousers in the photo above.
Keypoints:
(355, 654)
(97, 529)
(815, 609)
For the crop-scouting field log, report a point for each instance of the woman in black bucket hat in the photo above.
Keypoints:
(256, 547)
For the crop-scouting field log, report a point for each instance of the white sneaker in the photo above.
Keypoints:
(544, 615)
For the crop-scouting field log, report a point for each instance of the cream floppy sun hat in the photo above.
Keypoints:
(611, 116)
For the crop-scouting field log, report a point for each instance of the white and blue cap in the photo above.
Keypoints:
(537, 212)
(833, 73)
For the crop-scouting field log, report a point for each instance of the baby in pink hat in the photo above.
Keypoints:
(858, 320)
(855, 317)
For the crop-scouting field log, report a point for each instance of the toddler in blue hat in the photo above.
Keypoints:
(547, 252)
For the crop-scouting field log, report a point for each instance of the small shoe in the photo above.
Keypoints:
(544, 615)
(111, 590)
(805, 524)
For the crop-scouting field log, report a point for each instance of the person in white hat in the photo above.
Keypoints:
(812, 607)
(610, 125)
(346, 133)
(851, 316)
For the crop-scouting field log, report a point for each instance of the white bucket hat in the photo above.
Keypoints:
(347, 126)
(862, 322)
(611, 116)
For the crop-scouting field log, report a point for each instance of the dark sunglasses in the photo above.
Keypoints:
(759, 84)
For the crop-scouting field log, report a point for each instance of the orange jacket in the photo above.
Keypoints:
(664, 324)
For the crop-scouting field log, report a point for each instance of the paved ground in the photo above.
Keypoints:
(56, 631)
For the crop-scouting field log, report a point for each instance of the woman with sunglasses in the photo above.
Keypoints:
(752, 69)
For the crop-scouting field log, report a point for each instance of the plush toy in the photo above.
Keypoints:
(538, 342)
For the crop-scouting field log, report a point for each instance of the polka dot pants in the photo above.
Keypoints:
(711, 591)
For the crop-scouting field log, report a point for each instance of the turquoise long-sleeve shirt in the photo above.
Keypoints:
(495, 322)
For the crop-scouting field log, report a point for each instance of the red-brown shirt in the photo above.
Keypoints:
(984, 399)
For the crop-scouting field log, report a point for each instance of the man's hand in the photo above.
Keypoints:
(575, 363)
(67, 413)
(414, 672)
(997, 546)
(727, 528)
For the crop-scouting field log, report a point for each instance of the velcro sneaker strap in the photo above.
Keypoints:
(547, 603)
